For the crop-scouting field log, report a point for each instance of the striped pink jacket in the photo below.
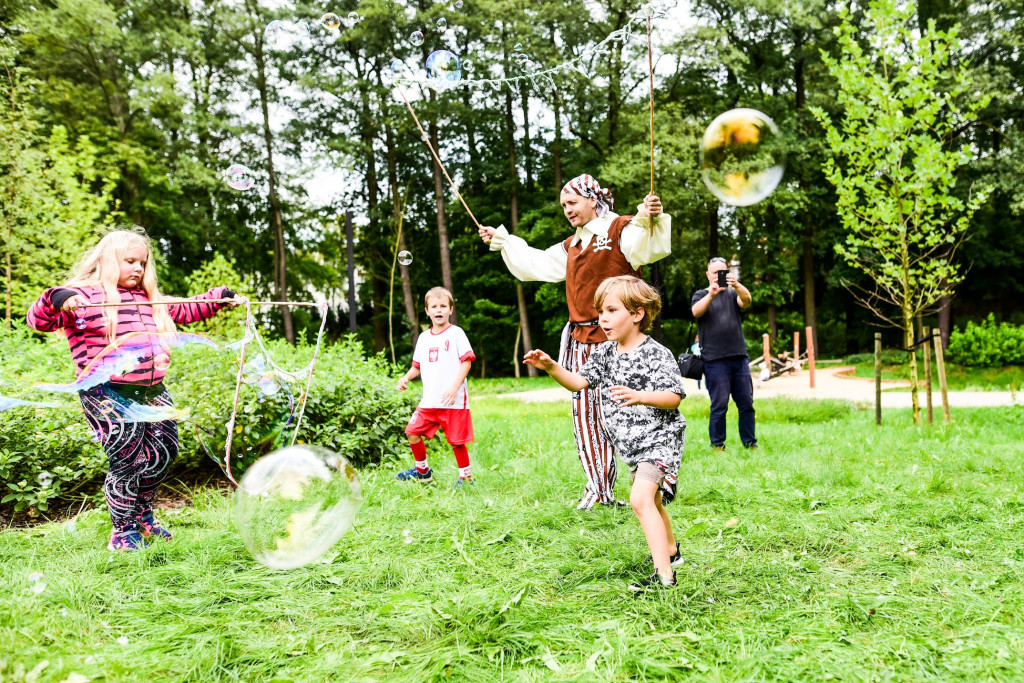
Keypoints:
(87, 343)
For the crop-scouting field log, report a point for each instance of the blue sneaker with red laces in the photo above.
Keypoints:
(415, 475)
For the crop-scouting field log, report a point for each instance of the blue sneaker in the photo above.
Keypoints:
(415, 475)
(125, 539)
(151, 529)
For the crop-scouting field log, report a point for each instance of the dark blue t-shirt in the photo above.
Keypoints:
(721, 326)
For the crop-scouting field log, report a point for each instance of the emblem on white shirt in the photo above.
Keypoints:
(602, 243)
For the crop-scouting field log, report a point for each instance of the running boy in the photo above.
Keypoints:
(443, 357)
(640, 393)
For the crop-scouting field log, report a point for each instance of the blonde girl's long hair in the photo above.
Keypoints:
(101, 267)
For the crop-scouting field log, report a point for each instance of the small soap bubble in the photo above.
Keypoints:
(742, 157)
(518, 47)
(523, 58)
(442, 24)
(36, 582)
(79, 323)
(353, 18)
(276, 35)
(44, 478)
(467, 66)
(240, 177)
(268, 384)
(404, 257)
(330, 21)
(443, 70)
(416, 38)
(161, 361)
(458, 4)
(397, 66)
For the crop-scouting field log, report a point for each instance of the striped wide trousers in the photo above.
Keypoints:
(597, 456)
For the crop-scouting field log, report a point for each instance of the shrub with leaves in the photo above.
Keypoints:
(49, 453)
(988, 344)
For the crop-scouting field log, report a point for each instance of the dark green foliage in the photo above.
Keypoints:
(988, 344)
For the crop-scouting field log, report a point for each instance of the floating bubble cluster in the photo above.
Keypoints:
(443, 69)
(294, 504)
(240, 177)
(405, 257)
(742, 157)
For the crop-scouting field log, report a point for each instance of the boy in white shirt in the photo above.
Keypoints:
(442, 358)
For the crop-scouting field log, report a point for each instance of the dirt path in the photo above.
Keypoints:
(829, 382)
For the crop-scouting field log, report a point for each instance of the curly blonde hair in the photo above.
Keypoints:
(635, 294)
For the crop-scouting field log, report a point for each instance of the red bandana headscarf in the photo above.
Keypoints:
(585, 186)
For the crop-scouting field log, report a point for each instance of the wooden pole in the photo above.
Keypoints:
(766, 350)
(878, 378)
(350, 263)
(796, 349)
(809, 333)
(940, 365)
(927, 369)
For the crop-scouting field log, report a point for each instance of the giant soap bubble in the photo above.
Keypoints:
(294, 504)
(742, 157)
(443, 70)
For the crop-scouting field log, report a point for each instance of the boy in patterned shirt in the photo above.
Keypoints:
(641, 388)
(443, 357)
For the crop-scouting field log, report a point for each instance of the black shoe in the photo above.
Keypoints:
(652, 582)
(668, 491)
(675, 559)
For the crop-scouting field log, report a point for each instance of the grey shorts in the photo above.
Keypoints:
(647, 471)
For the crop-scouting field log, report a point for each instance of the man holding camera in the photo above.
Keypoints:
(724, 351)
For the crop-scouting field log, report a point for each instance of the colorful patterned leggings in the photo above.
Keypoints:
(139, 453)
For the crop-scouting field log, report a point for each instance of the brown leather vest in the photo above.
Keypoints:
(588, 268)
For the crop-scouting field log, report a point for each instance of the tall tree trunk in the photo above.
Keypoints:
(380, 313)
(908, 342)
(280, 249)
(945, 319)
(524, 320)
(411, 312)
(442, 221)
(713, 233)
(527, 145)
(807, 260)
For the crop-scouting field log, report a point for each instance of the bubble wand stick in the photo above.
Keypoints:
(650, 68)
(169, 302)
(438, 159)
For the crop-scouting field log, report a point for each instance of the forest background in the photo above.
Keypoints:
(132, 111)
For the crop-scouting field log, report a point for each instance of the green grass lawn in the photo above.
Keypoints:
(958, 377)
(837, 551)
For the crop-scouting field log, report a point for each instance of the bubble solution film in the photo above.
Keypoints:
(294, 504)
(742, 157)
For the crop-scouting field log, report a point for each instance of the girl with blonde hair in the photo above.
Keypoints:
(119, 269)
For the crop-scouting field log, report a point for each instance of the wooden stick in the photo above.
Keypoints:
(169, 302)
(927, 370)
(940, 365)
(878, 378)
(796, 350)
(650, 69)
(766, 350)
(810, 353)
(438, 160)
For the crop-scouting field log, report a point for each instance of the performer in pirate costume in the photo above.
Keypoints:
(604, 245)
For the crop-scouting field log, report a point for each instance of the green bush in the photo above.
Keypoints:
(48, 453)
(989, 344)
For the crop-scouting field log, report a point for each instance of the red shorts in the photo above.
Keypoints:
(456, 423)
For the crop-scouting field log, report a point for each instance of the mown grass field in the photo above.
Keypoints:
(839, 551)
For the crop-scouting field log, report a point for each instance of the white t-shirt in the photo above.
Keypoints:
(439, 357)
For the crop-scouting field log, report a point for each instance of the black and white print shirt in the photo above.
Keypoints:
(640, 433)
